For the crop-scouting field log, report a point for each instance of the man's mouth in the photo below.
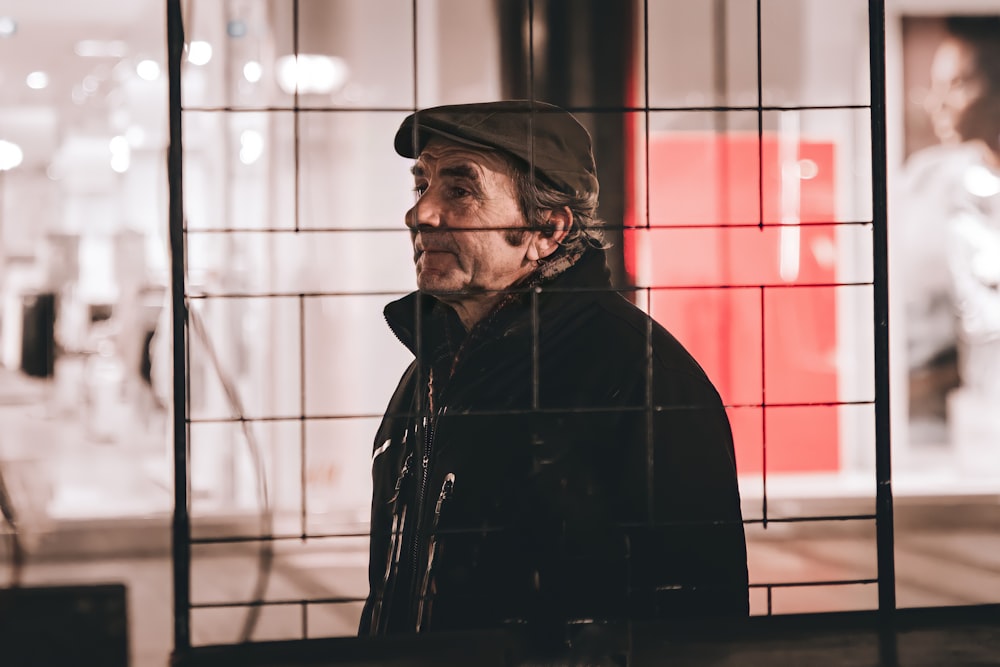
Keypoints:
(432, 250)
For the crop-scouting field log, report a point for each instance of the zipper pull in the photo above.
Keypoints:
(404, 471)
(446, 488)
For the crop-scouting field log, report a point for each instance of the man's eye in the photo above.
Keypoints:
(420, 189)
(459, 193)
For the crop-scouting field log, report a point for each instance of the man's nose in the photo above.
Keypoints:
(425, 212)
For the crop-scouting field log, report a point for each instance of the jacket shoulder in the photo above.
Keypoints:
(628, 331)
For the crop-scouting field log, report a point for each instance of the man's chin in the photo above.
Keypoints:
(437, 284)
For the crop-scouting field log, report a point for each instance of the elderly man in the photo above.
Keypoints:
(552, 455)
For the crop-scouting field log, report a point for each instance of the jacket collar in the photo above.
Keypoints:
(437, 319)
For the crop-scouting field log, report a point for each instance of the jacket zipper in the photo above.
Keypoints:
(425, 465)
(446, 490)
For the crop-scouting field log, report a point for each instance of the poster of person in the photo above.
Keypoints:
(947, 211)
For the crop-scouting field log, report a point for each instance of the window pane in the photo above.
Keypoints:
(315, 569)
(817, 166)
(703, 168)
(458, 52)
(825, 557)
(701, 53)
(237, 172)
(814, 52)
(233, 370)
(253, 60)
(811, 453)
(239, 472)
(354, 358)
(349, 175)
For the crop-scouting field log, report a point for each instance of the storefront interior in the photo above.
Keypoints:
(737, 181)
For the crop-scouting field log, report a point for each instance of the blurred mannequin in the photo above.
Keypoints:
(949, 213)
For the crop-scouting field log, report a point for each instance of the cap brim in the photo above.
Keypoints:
(410, 144)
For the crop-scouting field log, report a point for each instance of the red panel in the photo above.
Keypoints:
(801, 439)
(711, 181)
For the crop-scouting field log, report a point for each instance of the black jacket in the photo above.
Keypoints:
(588, 476)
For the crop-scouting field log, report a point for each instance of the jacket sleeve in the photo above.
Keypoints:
(388, 453)
(688, 553)
(634, 511)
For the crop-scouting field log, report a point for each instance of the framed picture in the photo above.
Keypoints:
(945, 220)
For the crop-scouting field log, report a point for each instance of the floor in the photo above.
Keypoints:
(112, 524)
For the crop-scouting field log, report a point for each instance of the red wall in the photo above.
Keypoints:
(772, 347)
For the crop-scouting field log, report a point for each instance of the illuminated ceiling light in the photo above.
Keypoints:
(199, 53)
(90, 84)
(37, 80)
(120, 154)
(8, 26)
(97, 48)
(253, 71)
(311, 73)
(11, 155)
(251, 146)
(148, 70)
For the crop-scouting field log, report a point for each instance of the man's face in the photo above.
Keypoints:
(956, 91)
(464, 223)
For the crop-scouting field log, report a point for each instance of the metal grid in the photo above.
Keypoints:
(188, 329)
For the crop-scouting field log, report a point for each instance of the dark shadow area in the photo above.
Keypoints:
(957, 637)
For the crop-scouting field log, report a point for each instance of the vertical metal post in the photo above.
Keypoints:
(181, 526)
(883, 462)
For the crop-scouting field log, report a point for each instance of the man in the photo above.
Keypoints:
(552, 455)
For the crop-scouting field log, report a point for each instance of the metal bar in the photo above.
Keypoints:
(571, 108)
(368, 230)
(594, 290)
(760, 125)
(646, 196)
(512, 412)
(303, 445)
(301, 418)
(275, 603)
(883, 461)
(763, 406)
(287, 537)
(181, 524)
(239, 539)
(760, 222)
(810, 584)
(297, 143)
(823, 518)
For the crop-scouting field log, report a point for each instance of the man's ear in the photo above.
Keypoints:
(546, 241)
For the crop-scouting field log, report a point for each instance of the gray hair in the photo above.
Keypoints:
(535, 197)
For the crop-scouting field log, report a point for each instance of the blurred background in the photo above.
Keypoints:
(735, 161)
